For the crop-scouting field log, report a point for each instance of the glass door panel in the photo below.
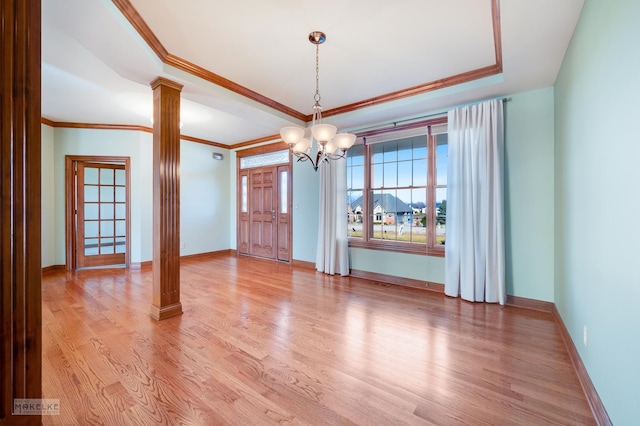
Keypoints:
(102, 209)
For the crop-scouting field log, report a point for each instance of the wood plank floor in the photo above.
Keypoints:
(266, 343)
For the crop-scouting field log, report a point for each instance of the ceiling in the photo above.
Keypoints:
(248, 68)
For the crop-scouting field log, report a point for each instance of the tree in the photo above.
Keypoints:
(419, 205)
(441, 218)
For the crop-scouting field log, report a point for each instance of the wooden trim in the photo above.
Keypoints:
(134, 18)
(20, 207)
(70, 229)
(166, 83)
(241, 216)
(70, 161)
(398, 247)
(209, 254)
(127, 247)
(597, 407)
(141, 265)
(262, 149)
(497, 33)
(523, 302)
(161, 312)
(218, 80)
(392, 279)
(166, 199)
(303, 264)
(132, 127)
(415, 90)
(430, 222)
(283, 220)
(47, 122)
(130, 13)
(52, 268)
(272, 139)
(203, 141)
(96, 126)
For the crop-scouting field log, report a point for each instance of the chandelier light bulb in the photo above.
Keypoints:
(323, 132)
(301, 146)
(330, 148)
(292, 134)
(344, 141)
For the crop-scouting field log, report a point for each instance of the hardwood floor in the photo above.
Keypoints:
(263, 342)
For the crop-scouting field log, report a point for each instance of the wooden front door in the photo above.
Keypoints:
(264, 212)
(99, 214)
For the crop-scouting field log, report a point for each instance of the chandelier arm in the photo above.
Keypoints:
(337, 156)
(320, 157)
(303, 156)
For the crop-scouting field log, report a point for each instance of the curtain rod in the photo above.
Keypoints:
(423, 117)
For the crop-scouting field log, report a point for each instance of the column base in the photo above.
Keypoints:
(160, 313)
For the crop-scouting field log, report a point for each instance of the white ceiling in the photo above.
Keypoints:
(96, 68)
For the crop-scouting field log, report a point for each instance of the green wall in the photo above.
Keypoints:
(126, 143)
(529, 200)
(528, 196)
(305, 199)
(424, 268)
(597, 200)
(48, 198)
(204, 190)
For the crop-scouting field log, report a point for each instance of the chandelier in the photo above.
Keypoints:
(330, 146)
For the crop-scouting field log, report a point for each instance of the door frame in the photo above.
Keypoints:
(265, 149)
(71, 199)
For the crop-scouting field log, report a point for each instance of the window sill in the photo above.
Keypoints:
(408, 248)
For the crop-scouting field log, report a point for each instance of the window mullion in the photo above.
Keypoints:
(431, 191)
(366, 205)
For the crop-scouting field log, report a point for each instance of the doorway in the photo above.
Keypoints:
(264, 200)
(97, 211)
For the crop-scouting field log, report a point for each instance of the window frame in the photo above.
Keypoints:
(429, 248)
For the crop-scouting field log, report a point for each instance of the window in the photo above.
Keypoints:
(397, 189)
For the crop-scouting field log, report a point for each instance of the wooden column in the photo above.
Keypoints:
(20, 215)
(166, 199)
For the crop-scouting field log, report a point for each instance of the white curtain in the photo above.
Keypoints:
(474, 253)
(332, 255)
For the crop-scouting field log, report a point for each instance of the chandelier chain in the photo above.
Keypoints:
(317, 95)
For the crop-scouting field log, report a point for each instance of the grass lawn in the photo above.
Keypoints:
(391, 235)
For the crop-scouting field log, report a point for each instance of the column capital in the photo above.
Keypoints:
(161, 81)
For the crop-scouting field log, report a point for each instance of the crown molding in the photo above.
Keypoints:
(272, 139)
(96, 126)
(218, 80)
(130, 13)
(416, 90)
(204, 141)
(134, 18)
(100, 126)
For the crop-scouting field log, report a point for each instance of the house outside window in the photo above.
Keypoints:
(396, 189)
